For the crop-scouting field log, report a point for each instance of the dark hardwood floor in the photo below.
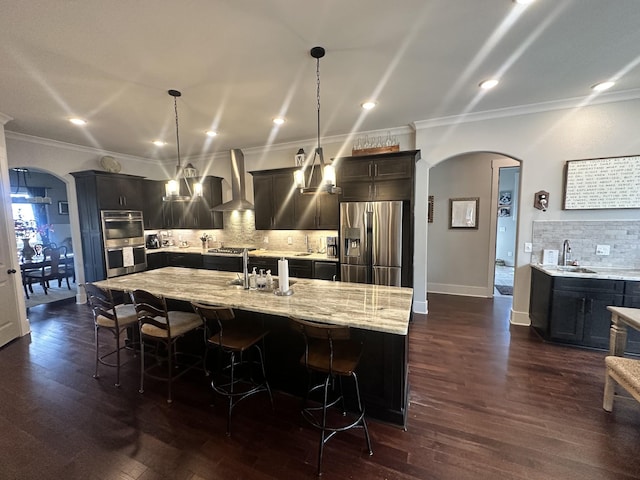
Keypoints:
(488, 401)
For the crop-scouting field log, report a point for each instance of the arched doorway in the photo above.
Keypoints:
(461, 261)
(41, 218)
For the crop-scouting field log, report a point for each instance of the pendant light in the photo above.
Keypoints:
(328, 183)
(172, 187)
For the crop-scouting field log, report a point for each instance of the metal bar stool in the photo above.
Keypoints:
(235, 374)
(164, 327)
(109, 316)
(330, 351)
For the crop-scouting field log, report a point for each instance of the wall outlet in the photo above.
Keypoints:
(214, 238)
(528, 247)
(502, 229)
(603, 249)
(265, 239)
(289, 240)
(509, 254)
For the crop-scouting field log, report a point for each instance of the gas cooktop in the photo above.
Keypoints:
(229, 250)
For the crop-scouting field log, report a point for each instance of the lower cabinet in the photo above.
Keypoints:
(325, 270)
(186, 260)
(574, 310)
(156, 260)
(222, 263)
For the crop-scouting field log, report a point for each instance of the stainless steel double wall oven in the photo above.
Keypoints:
(124, 247)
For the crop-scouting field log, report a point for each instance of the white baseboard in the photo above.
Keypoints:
(421, 307)
(520, 318)
(464, 290)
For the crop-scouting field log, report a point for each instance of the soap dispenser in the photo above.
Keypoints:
(269, 280)
(253, 279)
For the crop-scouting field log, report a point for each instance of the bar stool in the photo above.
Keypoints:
(164, 327)
(108, 316)
(235, 377)
(330, 351)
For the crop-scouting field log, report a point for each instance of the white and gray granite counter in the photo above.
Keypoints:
(368, 307)
(608, 273)
(252, 253)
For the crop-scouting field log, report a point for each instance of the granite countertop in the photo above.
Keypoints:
(252, 253)
(368, 307)
(607, 273)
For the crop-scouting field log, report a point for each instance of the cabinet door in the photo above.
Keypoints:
(300, 268)
(392, 168)
(567, 316)
(152, 211)
(325, 270)
(633, 301)
(328, 212)
(283, 203)
(305, 210)
(598, 319)
(156, 260)
(356, 191)
(119, 193)
(392, 190)
(355, 170)
(186, 260)
(263, 201)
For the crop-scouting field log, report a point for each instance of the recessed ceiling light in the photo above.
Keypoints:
(211, 133)
(368, 105)
(78, 121)
(524, 2)
(159, 143)
(278, 120)
(601, 87)
(487, 84)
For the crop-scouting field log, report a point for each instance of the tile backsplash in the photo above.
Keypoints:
(622, 236)
(239, 231)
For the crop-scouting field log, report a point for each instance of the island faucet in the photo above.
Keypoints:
(566, 253)
(245, 268)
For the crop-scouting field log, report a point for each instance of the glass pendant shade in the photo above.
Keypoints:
(329, 176)
(197, 189)
(171, 188)
(298, 178)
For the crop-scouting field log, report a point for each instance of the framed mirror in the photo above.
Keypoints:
(463, 212)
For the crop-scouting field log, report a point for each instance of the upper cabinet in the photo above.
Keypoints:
(118, 192)
(195, 214)
(280, 206)
(388, 176)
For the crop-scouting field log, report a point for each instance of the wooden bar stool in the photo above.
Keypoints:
(109, 316)
(330, 351)
(232, 339)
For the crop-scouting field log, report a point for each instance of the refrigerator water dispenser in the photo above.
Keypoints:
(351, 242)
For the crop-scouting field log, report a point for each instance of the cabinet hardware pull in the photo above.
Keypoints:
(375, 170)
(369, 169)
(590, 305)
(583, 305)
(10, 271)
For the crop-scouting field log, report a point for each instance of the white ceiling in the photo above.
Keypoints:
(239, 63)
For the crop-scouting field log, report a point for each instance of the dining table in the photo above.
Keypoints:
(37, 262)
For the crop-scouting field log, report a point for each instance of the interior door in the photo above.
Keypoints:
(11, 299)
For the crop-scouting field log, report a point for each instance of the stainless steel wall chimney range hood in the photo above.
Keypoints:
(238, 190)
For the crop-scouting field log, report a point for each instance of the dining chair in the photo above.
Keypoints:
(50, 269)
(164, 328)
(66, 266)
(109, 316)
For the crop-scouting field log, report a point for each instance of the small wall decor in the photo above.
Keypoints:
(505, 197)
(504, 210)
(63, 208)
(463, 212)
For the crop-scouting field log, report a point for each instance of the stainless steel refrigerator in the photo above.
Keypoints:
(371, 242)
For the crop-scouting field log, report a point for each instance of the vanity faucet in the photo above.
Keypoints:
(566, 253)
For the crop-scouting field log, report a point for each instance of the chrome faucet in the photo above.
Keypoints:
(245, 268)
(566, 253)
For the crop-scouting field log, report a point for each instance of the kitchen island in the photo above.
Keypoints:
(379, 316)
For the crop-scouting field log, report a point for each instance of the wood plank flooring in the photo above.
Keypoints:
(488, 401)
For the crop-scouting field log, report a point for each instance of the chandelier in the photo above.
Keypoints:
(301, 179)
(172, 187)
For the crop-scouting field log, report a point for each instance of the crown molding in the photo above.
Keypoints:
(529, 109)
(21, 137)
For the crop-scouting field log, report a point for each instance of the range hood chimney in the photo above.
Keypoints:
(238, 191)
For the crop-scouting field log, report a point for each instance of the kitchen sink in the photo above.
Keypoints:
(303, 254)
(576, 270)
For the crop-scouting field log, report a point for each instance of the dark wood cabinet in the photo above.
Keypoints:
(96, 191)
(265, 263)
(186, 260)
(156, 260)
(195, 214)
(325, 270)
(222, 263)
(119, 192)
(388, 176)
(279, 206)
(573, 309)
(152, 213)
